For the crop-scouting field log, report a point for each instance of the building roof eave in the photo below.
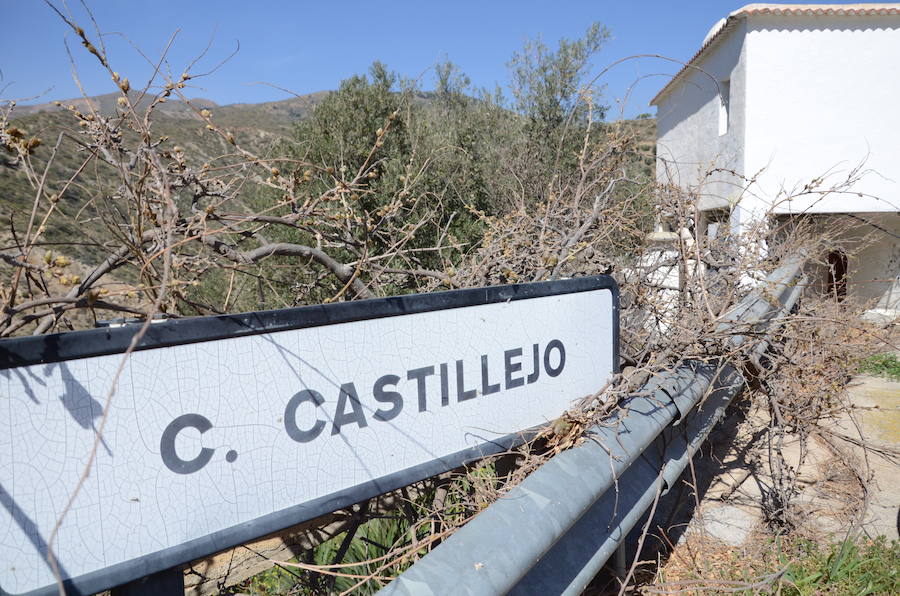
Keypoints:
(725, 26)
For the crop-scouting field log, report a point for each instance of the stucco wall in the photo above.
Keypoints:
(873, 271)
(812, 99)
(823, 96)
(688, 140)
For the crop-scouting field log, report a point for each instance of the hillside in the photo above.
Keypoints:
(273, 116)
(106, 105)
(256, 127)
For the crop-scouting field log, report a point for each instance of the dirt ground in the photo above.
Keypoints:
(838, 479)
(842, 490)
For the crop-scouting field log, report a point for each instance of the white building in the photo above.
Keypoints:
(780, 96)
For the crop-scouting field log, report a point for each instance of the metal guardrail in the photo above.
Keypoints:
(552, 533)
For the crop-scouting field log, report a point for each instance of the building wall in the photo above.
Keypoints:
(823, 97)
(814, 100)
(688, 140)
(873, 272)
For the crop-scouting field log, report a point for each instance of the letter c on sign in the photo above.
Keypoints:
(167, 444)
(290, 416)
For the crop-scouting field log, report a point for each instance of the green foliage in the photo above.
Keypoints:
(885, 365)
(382, 547)
(430, 153)
(852, 567)
(448, 157)
(374, 540)
(341, 131)
(546, 84)
(789, 566)
(381, 178)
(279, 580)
(368, 547)
(83, 222)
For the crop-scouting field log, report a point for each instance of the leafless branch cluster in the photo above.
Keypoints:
(187, 233)
(158, 201)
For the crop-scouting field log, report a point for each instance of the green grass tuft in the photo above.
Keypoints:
(851, 567)
(882, 365)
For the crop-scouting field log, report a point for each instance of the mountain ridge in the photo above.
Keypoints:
(274, 117)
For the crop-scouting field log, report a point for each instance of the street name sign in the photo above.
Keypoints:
(224, 429)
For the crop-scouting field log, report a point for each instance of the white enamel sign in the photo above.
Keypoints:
(221, 440)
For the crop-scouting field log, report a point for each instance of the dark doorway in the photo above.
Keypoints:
(837, 274)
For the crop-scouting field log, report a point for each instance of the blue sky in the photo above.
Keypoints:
(311, 46)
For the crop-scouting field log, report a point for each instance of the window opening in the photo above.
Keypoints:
(837, 274)
(724, 105)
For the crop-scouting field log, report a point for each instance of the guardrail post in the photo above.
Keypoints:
(621, 564)
(165, 583)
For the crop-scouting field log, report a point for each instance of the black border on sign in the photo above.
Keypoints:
(98, 342)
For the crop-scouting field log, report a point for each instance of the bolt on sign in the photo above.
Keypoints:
(223, 429)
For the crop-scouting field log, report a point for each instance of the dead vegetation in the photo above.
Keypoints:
(187, 235)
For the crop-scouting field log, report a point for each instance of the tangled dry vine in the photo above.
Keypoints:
(122, 220)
